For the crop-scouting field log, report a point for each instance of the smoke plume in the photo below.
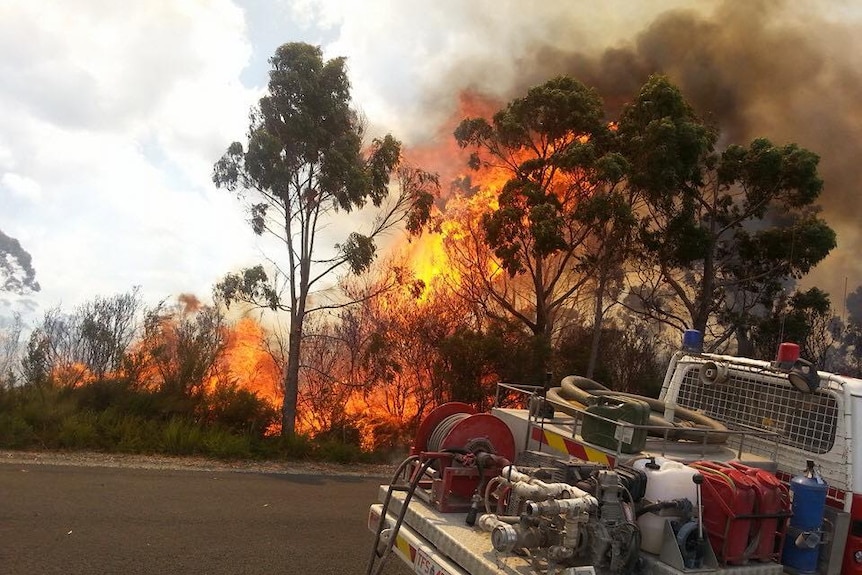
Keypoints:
(765, 68)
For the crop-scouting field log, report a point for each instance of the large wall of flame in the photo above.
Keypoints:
(770, 68)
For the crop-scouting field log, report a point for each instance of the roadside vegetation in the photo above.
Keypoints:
(113, 416)
(569, 238)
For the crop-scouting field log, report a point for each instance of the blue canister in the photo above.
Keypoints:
(802, 543)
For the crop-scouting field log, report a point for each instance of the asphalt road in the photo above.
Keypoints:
(101, 520)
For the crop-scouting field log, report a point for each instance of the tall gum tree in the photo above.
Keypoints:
(556, 151)
(721, 233)
(305, 161)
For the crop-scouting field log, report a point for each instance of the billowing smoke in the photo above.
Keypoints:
(764, 68)
(189, 303)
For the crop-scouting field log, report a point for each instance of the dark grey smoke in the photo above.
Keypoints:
(755, 69)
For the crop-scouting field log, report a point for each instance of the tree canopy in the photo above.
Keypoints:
(721, 232)
(646, 206)
(305, 161)
(556, 152)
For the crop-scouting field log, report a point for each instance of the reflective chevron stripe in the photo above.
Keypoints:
(568, 445)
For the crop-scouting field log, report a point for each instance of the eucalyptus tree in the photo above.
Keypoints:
(556, 152)
(849, 350)
(305, 165)
(804, 317)
(721, 232)
(10, 349)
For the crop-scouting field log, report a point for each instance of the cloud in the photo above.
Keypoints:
(21, 187)
(114, 114)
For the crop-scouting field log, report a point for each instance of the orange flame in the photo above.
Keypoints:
(250, 364)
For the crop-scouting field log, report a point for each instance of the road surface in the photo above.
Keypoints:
(74, 519)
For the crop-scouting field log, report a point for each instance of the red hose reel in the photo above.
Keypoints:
(469, 447)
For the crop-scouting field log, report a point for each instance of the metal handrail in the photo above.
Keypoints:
(535, 420)
(518, 387)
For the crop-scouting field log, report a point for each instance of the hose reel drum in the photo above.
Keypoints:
(469, 448)
(456, 426)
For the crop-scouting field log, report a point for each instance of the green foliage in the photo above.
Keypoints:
(423, 187)
(721, 232)
(629, 360)
(848, 357)
(181, 437)
(803, 318)
(240, 411)
(305, 160)
(553, 142)
(100, 395)
(36, 365)
(562, 219)
(296, 446)
(473, 361)
(359, 252)
(15, 432)
(113, 416)
(664, 143)
(78, 431)
(250, 285)
(341, 452)
(223, 444)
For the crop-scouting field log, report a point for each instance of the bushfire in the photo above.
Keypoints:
(369, 378)
(370, 371)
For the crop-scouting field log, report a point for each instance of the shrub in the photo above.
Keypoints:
(79, 431)
(223, 444)
(113, 416)
(180, 437)
(299, 446)
(15, 432)
(240, 410)
(129, 433)
(339, 452)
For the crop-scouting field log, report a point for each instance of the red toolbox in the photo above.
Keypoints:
(771, 510)
(728, 505)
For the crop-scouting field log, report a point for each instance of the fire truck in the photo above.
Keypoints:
(739, 467)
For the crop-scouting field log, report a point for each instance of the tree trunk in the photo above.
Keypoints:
(291, 379)
(744, 347)
(598, 320)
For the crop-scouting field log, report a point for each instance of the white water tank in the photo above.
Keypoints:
(666, 480)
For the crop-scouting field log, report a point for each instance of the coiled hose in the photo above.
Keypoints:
(688, 425)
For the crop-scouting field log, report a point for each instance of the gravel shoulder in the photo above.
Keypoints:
(121, 460)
